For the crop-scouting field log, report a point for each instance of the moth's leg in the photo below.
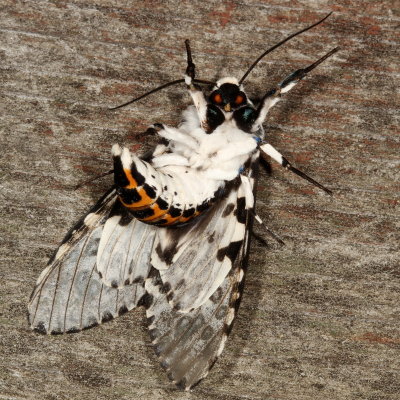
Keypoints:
(173, 134)
(269, 231)
(274, 95)
(195, 91)
(268, 150)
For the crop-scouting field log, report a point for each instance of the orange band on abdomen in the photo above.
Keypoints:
(132, 182)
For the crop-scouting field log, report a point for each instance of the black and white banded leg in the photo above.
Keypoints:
(268, 150)
(274, 95)
(195, 91)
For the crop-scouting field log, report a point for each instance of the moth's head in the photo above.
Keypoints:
(228, 94)
(228, 101)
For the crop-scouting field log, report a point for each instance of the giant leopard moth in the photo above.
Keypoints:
(173, 232)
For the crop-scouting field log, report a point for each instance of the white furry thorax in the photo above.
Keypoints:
(218, 155)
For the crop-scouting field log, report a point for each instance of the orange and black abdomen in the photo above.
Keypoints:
(148, 200)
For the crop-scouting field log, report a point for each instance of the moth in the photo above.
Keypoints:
(173, 232)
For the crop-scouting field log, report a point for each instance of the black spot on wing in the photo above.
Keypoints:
(154, 274)
(241, 212)
(122, 310)
(189, 212)
(139, 178)
(203, 206)
(149, 191)
(167, 254)
(174, 212)
(114, 284)
(165, 288)
(138, 279)
(126, 218)
(73, 330)
(107, 316)
(146, 300)
(221, 254)
(129, 196)
(40, 328)
(162, 204)
(228, 210)
(120, 178)
(233, 250)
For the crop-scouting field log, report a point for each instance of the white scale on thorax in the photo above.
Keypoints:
(202, 162)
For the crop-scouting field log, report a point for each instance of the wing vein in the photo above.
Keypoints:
(85, 294)
(99, 304)
(127, 252)
(73, 279)
(54, 297)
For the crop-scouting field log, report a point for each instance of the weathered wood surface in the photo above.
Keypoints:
(320, 316)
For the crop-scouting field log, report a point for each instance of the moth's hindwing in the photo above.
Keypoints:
(189, 341)
(125, 247)
(69, 295)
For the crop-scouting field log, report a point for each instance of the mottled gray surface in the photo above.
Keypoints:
(320, 317)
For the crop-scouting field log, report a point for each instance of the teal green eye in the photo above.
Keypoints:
(248, 114)
(245, 117)
(214, 117)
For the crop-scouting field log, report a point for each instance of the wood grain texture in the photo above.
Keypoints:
(320, 316)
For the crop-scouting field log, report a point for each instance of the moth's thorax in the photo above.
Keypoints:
(226, 149)
(202, 163)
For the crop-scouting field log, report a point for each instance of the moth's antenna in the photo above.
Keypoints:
(157, 89)
(191, 66)
(279, 44)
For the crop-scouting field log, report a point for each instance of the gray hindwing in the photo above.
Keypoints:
(70, 295)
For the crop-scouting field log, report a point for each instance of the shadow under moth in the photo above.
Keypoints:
(173, 232)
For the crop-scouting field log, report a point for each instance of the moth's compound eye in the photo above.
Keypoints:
(217, 98)
(248, 114)
(214, 117)
(245, 117)
(239, 100)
